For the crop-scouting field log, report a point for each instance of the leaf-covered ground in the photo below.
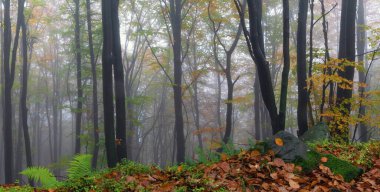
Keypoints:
(247, 171)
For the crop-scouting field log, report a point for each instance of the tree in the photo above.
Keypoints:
(255, 43)
(112, 62)
(285, 72)
(301, 68)
(94, 86)
(347, 55)
(227, 68)
(9, 74)
(78, 56)
(24, 88)
(361, 38)
(176, 23)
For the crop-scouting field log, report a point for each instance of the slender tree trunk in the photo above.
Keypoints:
(285, 71)
(78, 55)
(121, 127)
(176, 22)
(346, 52)
(24, 91)
(107, 60)
(301, 68)
(258, 51)
(257, 103)
(94, 87)
(361, 36)
(327, 59)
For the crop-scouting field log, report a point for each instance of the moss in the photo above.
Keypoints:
(341, 167)
(336, 165)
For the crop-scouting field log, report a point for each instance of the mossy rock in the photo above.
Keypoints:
(318, 132)
(336, 165)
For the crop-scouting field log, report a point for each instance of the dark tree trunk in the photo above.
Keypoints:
(121, 129)
(107, 60)
(9, 73)
(346, 52)
(257, 103)
(24, 89)
(257, 48)
(176, 22)
(78, 110)
(327, 59)
(362, 42)
(285, 71)
(94, 87)
(301, 68)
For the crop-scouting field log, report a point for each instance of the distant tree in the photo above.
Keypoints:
(301, 68)
(94, 86)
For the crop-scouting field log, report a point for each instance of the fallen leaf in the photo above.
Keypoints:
(223, 157)
(324, 159)
(294, 184)
(279, 142)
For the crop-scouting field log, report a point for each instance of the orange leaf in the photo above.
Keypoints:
(223, 157)
(180, 168)
(255, 153)
(324, 159)
(279, 142)
(294, 184)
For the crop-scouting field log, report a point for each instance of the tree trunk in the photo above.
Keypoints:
(258, 51)
(121, 127)
(301, 68)
(94, 87)
(24, 90)
(107, 60)
(285, 71)
(176, 21)
(78, 110)
(361, 36)
(346, 52)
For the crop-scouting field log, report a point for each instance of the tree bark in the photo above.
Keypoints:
(347, 53)
(361, 37)
(107, 60)
(24, 89)
(258, 51)
(95, 112)
(301, 68)
(176, 22)
(286, 69)
(78, 56)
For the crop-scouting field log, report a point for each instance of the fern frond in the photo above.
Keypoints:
(80, 166)
(42, 175)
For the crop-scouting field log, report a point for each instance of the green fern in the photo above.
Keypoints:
(42, 175)
(80, 166)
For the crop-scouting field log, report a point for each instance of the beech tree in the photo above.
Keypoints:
(347, 55)
(111, 62)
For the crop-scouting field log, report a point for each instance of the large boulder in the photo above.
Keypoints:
(317, 133)
(287, 146)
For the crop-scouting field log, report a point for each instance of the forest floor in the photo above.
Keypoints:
(246, 170)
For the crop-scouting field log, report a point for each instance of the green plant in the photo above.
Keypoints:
(42, 175)
(80, 166)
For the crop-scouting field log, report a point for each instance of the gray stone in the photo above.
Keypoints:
(317, 133)
(291, 149)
